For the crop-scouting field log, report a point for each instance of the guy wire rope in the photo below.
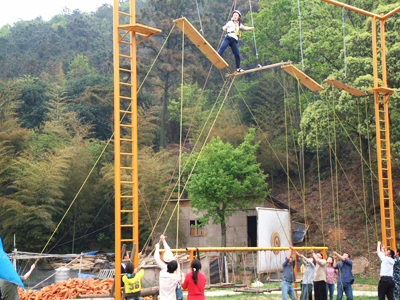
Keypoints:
(331, 169)
(336, 171)
(180, 137)
(344, 42)
(189, 158)
(363, 181)
(301, 41)
(272, 148)
(337, 161)
(319, 179)
(95, 164)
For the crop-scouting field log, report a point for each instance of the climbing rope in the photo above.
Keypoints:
(344, 42)
(254, 34)
(198, 12)
(301, 41)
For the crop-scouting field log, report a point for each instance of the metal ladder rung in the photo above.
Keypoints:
(125, 70)
(127, 84)
(127, 226)
(127, 168)
(126, 140)
(123, 42)
(127, 211)
(124, 13)
(127, 197)
(126, 112)
(125, 56)
(126, 125)
(127, 182)
(127, 154)
(126, 98)
(127, 240)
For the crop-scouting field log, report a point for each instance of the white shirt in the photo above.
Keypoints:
(168, 281)
(387, 265)
(233, 29)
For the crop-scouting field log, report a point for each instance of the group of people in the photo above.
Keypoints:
(322, 273)
(319, 273)
(172, 280)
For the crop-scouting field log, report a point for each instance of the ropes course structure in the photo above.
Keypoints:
(125, 137)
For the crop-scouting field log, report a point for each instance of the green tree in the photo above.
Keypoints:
(225, 180)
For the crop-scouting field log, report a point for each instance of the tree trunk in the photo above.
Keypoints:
(223, 225)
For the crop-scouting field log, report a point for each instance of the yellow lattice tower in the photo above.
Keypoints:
(125, 125)
(381, 95)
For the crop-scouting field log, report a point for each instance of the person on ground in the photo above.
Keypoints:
(133, 282)
(396, 275)
(195, 282)
(169, 281)
(231, 39)
(9, 290)
(319, 276)
(386, 283)
(289, 276)
(308, 277)
(331, 274)
(345, 275)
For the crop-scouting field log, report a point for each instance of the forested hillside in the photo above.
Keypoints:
(56, 115)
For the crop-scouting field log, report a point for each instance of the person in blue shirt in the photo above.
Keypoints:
(345, 275)
(289, 276)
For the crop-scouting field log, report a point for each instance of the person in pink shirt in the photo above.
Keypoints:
(195, 282)
(331, 274)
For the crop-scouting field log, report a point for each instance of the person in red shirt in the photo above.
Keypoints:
(195, 282)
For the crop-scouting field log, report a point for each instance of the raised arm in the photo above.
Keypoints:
(26, 276)
(157, 257)
(166, 247)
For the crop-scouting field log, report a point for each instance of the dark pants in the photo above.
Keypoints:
(233, 43)
(386, 288)
(320, 290)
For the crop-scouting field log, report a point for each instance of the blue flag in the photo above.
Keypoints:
(7, 271)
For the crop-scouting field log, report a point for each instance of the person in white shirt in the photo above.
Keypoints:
(386, 284)
(231, 39)
(169, 281)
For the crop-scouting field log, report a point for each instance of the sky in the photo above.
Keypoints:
(26, 10)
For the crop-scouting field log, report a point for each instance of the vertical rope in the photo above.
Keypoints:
(254, 32)
(301, 41)
(180, 139)
(344, 43)
(201, 25)
(336, 171)
(319, 177)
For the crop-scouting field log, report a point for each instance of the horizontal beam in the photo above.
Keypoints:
(356, 9)
(224, 249)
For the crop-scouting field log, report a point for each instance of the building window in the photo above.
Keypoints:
(195, 228)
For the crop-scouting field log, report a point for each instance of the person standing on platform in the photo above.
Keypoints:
(319, 276)
(386, 284)
(289, 276)
(232, 37)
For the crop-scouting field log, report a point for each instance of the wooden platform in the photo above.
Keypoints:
(382, 90)
(310, 83)
(139, 29)
(258, 69)
(201, 43)
(343, 86)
